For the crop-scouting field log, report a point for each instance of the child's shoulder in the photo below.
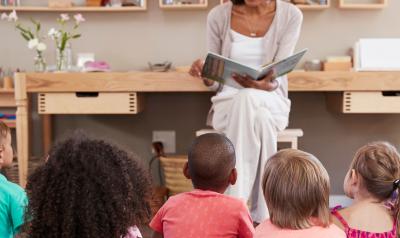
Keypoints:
(11, 190)
(210, 196)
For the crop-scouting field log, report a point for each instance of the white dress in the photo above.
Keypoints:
(251, 119)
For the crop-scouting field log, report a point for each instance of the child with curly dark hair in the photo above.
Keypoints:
(206, 211)
(87, 188)
(13, 199)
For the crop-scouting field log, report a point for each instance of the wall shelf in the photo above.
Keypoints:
(303, 6)
(74, 9)
(193, 6)
(346, 4)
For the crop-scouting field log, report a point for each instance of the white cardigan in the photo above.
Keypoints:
(279, 41)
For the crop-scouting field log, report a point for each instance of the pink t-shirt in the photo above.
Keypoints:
(203, 214)
(269, 230)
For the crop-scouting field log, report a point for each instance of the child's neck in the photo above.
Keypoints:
(220, 190)
(364, 197)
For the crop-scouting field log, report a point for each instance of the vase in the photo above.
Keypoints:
(39, 63)
(64, 58)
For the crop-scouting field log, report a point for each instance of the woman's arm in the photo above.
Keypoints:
(214, 42)
(289, 38)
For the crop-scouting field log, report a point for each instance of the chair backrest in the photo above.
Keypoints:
(175, 180)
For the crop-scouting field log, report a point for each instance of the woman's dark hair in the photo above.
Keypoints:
(87, 188)
(237, 2)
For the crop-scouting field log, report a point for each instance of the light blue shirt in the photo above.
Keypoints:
(13, 201)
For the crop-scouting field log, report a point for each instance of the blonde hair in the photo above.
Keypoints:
(296, 189)
(4, 130)
(378, 164)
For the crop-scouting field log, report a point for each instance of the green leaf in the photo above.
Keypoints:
(76, 36)
(30, 34)
(64, 40)
(25, 36)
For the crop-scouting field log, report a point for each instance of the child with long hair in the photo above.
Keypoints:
(296, 189)
(372, 181)
(87, 188)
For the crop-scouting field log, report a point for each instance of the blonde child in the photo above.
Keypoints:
(372, 180)
(206, 211)
(296, 189)
(13, 199)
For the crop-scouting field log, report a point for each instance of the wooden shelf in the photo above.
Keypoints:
(299, 81)
(313, 7)
(305, 7)
(194, 6)
(6, 91)
(9, 123)
(73, 9)
(380, 4)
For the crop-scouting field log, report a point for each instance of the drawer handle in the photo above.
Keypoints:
(87, 94)
(391, 93)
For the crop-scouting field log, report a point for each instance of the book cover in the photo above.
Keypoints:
(220, 69)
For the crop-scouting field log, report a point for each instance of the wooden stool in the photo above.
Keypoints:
(288, 135)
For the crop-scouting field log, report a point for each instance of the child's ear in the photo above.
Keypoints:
(233, 177)
(1, 155)
(186, 171)
(354, 177)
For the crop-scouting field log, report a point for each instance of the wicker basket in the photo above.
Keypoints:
(175, 180)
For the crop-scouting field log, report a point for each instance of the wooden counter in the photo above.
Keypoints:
(140, 82)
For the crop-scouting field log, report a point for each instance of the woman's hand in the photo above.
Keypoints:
(195, 71)
(267, 83)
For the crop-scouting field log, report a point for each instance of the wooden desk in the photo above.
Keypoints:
(170, 82)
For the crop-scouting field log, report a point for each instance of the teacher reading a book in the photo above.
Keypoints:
(254, 33)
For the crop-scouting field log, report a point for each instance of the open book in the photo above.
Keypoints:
(220, 69)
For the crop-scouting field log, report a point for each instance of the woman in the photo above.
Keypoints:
(253, 32)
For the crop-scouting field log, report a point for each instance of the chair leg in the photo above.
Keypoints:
(294, 143)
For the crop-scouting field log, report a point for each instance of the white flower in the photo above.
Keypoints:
(13, 16)
(79, 18)
(64, 17)
(41, 47)
(4, 16)
(52, 32)
(33, 43)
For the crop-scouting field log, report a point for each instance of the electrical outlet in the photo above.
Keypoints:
(167, 138)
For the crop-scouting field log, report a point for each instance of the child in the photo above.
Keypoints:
(13, 199)
(87, 188)
(371, 181)
(296, 189)
(206, 211)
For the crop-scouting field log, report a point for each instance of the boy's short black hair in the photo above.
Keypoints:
(211, 160)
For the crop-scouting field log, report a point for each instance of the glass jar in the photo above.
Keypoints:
(64, 58)
(39, 63)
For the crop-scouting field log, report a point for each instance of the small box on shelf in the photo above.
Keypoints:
(183, 4)
(59, 3)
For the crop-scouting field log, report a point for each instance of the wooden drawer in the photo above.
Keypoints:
(7, 99)
(365, 102)
(89, 103)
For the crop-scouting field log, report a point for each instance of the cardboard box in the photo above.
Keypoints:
(59, 3)
(337, 66)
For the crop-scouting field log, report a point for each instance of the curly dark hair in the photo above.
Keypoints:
(87, 188)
